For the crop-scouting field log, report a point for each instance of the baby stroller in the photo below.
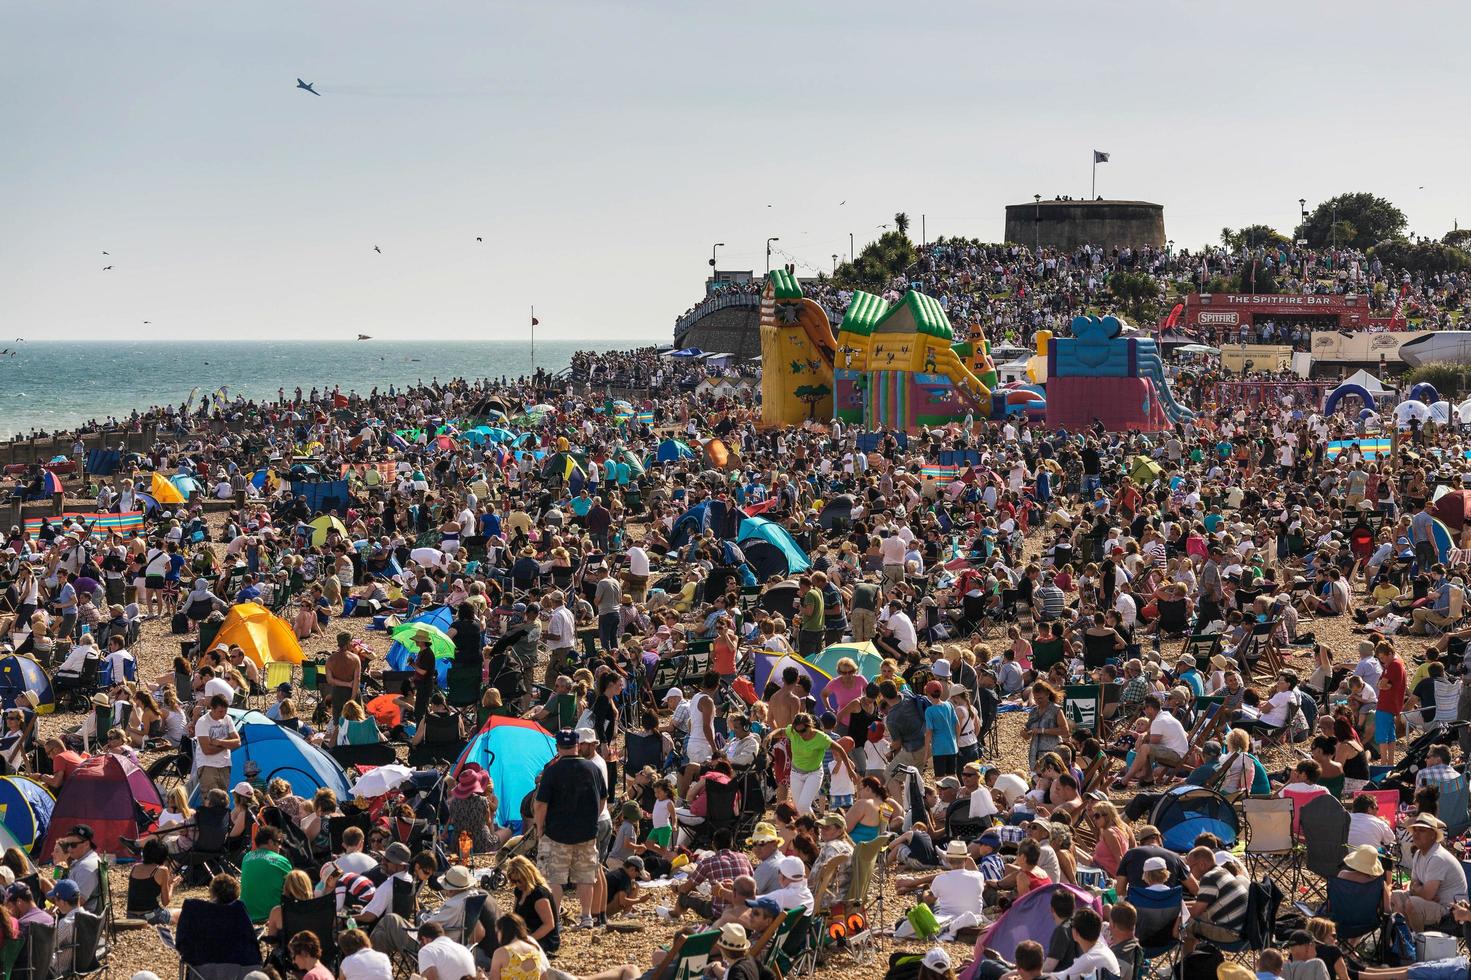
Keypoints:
(1402, 776)
(522, 845)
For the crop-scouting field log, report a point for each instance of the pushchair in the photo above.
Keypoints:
(522, 845)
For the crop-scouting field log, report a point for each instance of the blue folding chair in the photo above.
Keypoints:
(1158, 928)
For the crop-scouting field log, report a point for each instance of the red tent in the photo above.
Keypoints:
(109, 794)
(1453, 508)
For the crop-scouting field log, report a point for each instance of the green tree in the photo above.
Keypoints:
(812, 394)
(901, 221)
(1362, 220)
(1459, 238)
(1252, 236)
(880, 261)
(1423, 256)
(1447, 377)
(1262, 271)
(1137, 293)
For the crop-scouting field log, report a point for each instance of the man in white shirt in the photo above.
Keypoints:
(638, 572)
(353, 859)
(119, 660)
(891, 550)
(793, 890)
(1365, 826)
(214, 736)
(441, 958)
(899, 627)
(952, 893)
(561, 633)
(1164, 745)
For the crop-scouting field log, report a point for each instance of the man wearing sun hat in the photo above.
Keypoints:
(734, 947)
(765, 845)
(953, 892)
(794, 890)
(458, 886)
(1437, 880)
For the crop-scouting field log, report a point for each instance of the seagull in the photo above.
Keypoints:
(377, 249)
(479, 239)
(106, 267)
(308, 87)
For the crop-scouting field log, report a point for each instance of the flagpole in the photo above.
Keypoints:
(533, 339)
(1094, 192)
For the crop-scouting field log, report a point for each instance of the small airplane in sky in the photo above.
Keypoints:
(307, 86)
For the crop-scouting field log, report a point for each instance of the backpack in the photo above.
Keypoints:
(1397, 941)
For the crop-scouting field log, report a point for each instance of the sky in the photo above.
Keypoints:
(600, 148)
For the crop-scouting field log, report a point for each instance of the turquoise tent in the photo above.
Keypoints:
(514, 751)
(770, 549)
(672, 449)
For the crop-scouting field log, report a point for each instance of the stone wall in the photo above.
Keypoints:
(733, 330)
(1068, 224)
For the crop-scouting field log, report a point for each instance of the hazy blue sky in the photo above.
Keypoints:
(599, 148)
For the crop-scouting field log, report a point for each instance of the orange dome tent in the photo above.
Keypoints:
(262, 635)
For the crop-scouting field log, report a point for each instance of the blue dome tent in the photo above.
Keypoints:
(1424, 392)
(25, 810)
(513, 751)
(1186, 812)
(401, 657)
(19, 674)
(280, 752)
(671, 450)
(695, 521)
(770, 549)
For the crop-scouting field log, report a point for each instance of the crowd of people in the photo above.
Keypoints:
(1021, 659)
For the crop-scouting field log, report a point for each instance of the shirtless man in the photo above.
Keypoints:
(344, 673)
(786, 702)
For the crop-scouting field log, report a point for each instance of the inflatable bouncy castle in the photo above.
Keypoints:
(1098, 374)
(891, 366)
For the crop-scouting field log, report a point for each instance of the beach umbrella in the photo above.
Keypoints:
(439, 641)
(864, 654)
(322, 526)
(384, 779)
(1453, 507)
(541, 409)
(51, 483)
(164, 492)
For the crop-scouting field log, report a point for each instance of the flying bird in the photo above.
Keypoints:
(308, 87)
(147, 322)
(479, 239)
(106, 267)
(842, 202)
(106, 253)
(377, 249)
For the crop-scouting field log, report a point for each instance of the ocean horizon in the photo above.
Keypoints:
(59, 385)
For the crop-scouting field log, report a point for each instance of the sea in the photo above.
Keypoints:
(50, 386)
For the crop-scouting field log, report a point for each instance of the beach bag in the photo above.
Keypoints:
(1396, 941)
(922, 920)
(179, 623)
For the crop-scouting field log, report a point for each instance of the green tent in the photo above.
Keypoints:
(1145, 470)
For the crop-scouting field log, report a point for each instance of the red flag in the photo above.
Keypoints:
(339, 401)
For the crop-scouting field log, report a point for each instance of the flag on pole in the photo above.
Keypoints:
(534, 321)
(1100, 157)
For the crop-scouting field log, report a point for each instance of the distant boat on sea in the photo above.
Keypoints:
(363, 336)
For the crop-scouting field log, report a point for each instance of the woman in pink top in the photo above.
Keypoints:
(847, 686)
(1114, 837)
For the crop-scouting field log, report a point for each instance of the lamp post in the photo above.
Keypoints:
(851, 253)
(1036, 222)
(1335, 224)
(712, 257)
(835, 263)
(768, 253)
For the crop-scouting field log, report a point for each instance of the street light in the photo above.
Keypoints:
(712, 257)
(768, 253)
(835, 263)
(1335, 224)
(1036, 222)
